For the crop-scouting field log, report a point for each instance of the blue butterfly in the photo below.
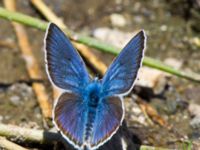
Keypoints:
(89, 111)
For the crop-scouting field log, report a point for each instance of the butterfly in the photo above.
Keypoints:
(90, 110)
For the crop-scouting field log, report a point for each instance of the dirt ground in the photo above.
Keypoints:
(172, 29)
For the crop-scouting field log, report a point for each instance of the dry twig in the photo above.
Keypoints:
(84, 50)
(149, 111)
(28, 135)
(8, 145)
(31, 63)
(91, 58)
(40, 5)
(6, 43)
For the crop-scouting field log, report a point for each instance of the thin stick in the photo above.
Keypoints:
(8, 44)
(31, 63)
(51, 16)
(28, 135)
(84, 50)
(8, 145)
(149, 111)
(150, 62)
(92, 59)
(59, 22)
(145, 147)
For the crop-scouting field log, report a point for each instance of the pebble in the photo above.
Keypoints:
(177, 64)
(195, 41)
(195, 122)
(193, 94)
(113, 36)
(163, 28)
(21, 90)
(194, 110)
(1, 118)
(134, 113)
(118, 20)
(15, 100)
(138, 19)
(151, 78)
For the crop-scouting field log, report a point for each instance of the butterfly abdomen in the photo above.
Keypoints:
(90, 123)
(93, 99)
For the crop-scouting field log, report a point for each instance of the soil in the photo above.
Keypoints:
(171, 27)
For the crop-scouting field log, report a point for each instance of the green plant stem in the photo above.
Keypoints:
(42, 25)
(23, 19)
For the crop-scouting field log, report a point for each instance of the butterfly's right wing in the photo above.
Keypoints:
(109, 116)
(65, 67)
(122, 73)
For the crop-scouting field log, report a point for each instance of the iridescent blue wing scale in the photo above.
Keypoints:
(108, 118)
(70, 117)
(122, 73)
(65, 67)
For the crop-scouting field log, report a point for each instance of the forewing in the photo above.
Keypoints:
(70, 117)
(108, 118)
(122, 73)
(65, 67)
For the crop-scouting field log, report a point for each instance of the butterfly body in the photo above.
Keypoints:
(89, 111)
(92, 100)
(92, 93)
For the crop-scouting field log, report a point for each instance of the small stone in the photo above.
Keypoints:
(138, 19)
(7, 117)
(177, 64)
(195, 122)
(113, 36)
(23, 91)
(15, 100)
(149, 77)
(1, 118)
(142, 119)
(163, 28)
(117, 20)
(136, 111)
(194, 109)
(195, 41)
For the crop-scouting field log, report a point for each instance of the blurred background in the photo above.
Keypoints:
(162, 110)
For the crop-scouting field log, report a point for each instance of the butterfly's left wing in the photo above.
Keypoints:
(122, 73)
(65, 67)
(69, 116)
